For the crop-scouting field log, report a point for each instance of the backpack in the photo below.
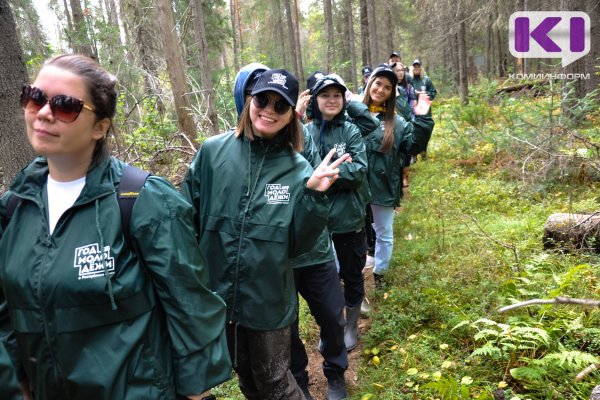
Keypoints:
(132, 182)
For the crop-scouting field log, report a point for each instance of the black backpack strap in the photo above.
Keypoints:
(11, 206)
(132, 182)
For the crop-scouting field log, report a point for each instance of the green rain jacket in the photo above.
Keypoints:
(9, 387)
(421, 82)
(322, 251)
(253, 214)
(349, 194)
(84, 316)
(385, 169)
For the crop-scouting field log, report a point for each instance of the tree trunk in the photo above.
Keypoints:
(489, 47)
(208, 89)
(329, 27)
(69, 22)
(300, 66)
(365, 51)
(290, 36)
(111, 11)
(373, 43)
(390, 24)
(500, 70)
(176, 69)
(350, 25)
(572, 231)
(591, 59)
(15, 150)
(237, 33)
(81, 39)
(463, 79)
(280, 34)
(455, 60)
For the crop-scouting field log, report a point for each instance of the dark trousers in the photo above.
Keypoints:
(351, 251)
(261, 360)
(319, 285)
(369, 231)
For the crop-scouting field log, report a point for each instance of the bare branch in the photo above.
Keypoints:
(556, 300)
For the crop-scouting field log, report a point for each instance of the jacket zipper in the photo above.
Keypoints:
(252, 187)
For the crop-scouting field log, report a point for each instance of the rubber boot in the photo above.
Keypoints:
(378, 281)
(351, 329)
(303, 384)
(365, 307)
(336, 385)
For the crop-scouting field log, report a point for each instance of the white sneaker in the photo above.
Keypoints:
(370, 262)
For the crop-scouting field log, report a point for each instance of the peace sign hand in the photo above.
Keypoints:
(324, 175)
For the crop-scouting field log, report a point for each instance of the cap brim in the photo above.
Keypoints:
(276, 90)
(336, 84)
(388, 74)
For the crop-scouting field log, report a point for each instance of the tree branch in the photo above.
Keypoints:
(556, 300)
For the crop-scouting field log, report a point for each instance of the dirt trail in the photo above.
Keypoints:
(317, 381)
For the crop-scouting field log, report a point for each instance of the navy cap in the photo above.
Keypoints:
(279, 81)
(394, 54)
(313, 78)
(386, 71)
(417, 61)
(366, 70)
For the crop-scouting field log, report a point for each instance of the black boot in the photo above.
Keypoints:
(336, 385)
(378, 281)
(303, 384)
(351, 329)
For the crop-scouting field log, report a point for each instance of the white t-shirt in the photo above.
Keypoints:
(61, 196)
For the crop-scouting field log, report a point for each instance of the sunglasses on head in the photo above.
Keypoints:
(64, 108)
(280, 106)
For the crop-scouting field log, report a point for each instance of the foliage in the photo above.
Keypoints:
(468, 241)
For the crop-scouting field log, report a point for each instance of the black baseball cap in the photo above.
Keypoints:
(417, 61)
(313, 78)
(279, 81)
(394, 54)
(366, 70)
(385, 70)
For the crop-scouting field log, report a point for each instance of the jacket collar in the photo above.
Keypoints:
(100, 180)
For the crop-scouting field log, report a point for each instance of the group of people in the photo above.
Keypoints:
(162, 305)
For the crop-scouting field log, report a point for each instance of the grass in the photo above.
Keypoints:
(468, 240)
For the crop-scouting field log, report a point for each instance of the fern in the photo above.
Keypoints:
(529, 373)
(569, 360)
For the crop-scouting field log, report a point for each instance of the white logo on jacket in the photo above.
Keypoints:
(340, 149)
(89, 260)
(277, 194)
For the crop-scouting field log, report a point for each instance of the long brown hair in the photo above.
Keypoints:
(101, 86)
(292, 132)
(390, 113)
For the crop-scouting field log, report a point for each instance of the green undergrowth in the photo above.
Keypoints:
(468, 241)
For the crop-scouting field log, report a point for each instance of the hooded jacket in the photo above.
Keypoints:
(85, 316)
(241, 81)
(385, 169)
(253, 213)
(349, 194)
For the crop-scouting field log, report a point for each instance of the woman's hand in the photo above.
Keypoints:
(423, 105)
(324, 175)
(302, 103)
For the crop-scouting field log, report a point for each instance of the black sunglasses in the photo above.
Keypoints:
(64, 108)
(280, 106)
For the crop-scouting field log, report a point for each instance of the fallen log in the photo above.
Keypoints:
(569, 232)
(534, 88)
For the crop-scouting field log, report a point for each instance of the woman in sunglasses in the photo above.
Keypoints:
(385, 148)
(258, 204)
(85, 311)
